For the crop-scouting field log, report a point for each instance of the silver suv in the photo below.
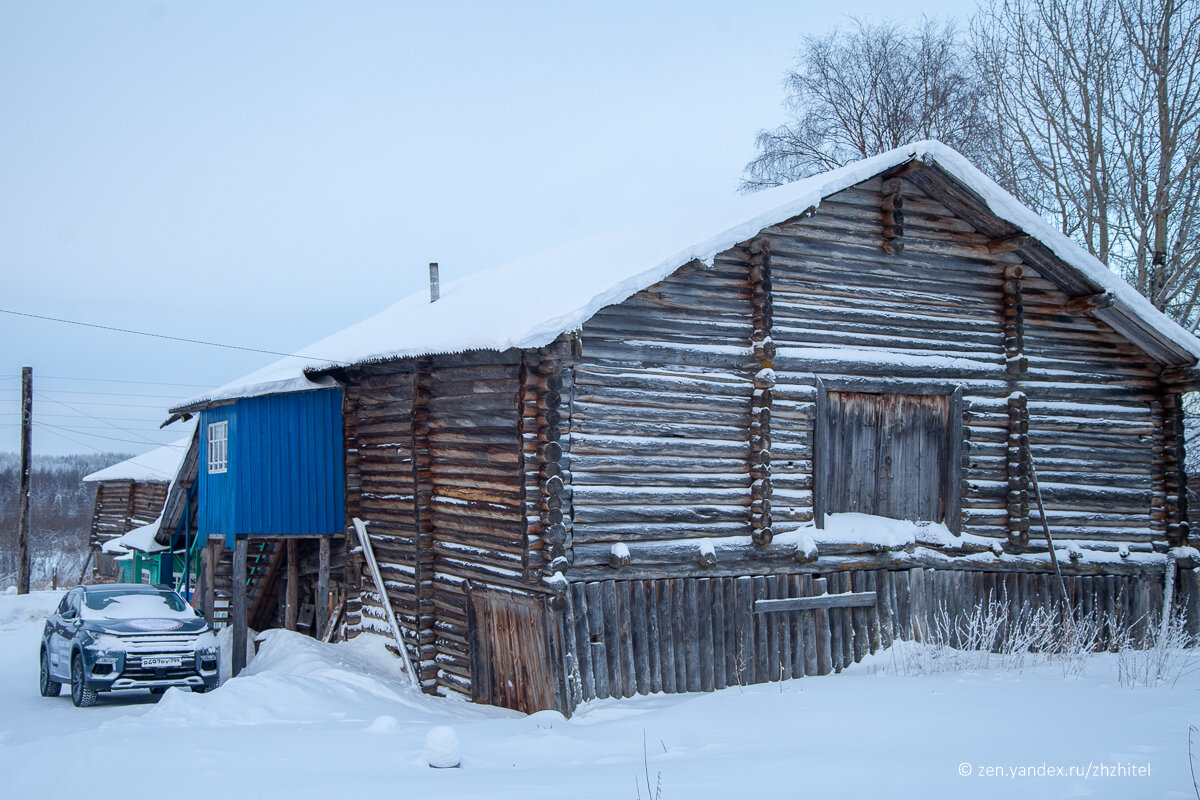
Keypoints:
(126, 636)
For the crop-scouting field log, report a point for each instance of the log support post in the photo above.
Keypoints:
(292, 613)
(1017, 496)
(1175, 479)
(237, 611)
(322, 614)
(544, 384)
(422, 483)
(1018, 476)
(1160, 471)
(1014, 322)
(208, 568)
(892, 205)
(764, 382)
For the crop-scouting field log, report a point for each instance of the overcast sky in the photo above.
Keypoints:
(263, 174)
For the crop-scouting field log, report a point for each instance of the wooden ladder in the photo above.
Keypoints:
(264, 559)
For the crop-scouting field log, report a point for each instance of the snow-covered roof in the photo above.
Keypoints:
(156, 466)
(141, 539)
(493, 310)
(114, 547)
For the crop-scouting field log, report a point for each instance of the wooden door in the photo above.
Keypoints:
(511, 651)
(891, 455)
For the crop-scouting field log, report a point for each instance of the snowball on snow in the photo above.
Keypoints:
(547, 718)
(442, 750)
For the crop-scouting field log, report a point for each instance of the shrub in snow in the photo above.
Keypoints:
(442, 749)
(1167, 655)
(996, 635)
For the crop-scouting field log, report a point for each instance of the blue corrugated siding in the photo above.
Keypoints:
(285, 467)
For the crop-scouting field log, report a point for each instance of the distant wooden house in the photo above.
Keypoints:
(668, 461)
(129, 495)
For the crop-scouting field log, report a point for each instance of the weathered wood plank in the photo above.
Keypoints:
(842, 600)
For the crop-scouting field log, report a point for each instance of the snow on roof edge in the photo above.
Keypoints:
(375, 338)
(154, 466)
(141, 538)
(1008, 208)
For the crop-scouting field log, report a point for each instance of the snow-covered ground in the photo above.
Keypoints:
(308, 720)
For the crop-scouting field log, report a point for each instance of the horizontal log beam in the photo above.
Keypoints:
(1007, 244)
(1088, 302)
(843, 600)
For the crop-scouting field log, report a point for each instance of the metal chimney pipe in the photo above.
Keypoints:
(435, 288)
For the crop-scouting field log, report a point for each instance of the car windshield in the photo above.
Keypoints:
(131, 604)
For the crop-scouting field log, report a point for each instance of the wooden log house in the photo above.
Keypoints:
(622, 468)
(129, 495)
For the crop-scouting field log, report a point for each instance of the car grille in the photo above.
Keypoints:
(158, 644)
(182, 646)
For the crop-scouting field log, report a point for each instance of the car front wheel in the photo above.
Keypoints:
(82, 695)
(49, 687)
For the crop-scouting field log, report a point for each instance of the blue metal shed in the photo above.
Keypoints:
(280, 471)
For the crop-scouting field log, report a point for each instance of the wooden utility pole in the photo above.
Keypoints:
(26, 458)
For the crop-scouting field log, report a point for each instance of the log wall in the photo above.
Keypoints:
(1096, 420)
(437, 467)
(122, 506)
(701, 634)
(660, 412)
(478, 493)
(385, 463)
(929, 315)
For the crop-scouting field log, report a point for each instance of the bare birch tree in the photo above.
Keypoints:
(1159, 133)
(1095, 104)
(858, 92)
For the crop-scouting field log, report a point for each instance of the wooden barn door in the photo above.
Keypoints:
(511, 652)
(892, 455)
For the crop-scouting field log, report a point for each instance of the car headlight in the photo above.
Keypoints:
(206, 644)
(104, 641)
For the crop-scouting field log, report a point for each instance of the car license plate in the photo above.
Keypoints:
(161, 661)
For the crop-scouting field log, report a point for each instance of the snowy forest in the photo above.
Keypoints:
(60, 514)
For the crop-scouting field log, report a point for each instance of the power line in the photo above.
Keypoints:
(76, 416)
(152, 429)
(111, 405)
(98, 419)
(113, 380)
(47, 425)
(105, 394)
(150, 335)
(74, 441)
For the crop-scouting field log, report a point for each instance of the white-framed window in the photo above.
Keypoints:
(218, 447)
